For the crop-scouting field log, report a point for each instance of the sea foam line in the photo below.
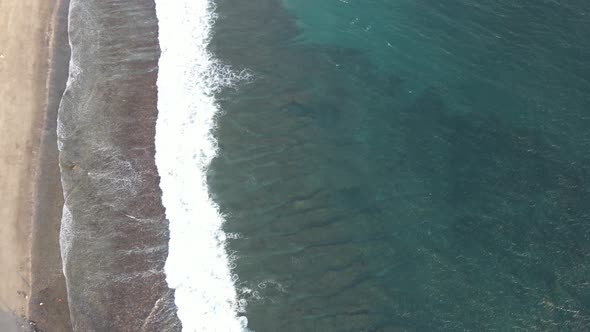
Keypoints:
(198, 265)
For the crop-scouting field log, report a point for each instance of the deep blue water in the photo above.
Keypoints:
(407, 165)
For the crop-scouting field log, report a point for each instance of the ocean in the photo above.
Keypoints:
(342, 165)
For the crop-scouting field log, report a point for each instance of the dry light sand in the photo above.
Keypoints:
(25, 44)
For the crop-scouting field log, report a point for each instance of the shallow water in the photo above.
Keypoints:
(408, 165)
(114, 235)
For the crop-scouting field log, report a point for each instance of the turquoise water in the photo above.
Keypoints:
(407, 165)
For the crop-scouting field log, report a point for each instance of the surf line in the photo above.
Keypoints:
(198, 266)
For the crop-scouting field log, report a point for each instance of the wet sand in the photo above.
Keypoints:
(30, 211)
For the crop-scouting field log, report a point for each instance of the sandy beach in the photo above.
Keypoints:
(30, 211)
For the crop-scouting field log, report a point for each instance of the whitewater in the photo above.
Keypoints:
(198, 265)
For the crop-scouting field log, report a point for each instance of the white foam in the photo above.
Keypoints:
(198, 265)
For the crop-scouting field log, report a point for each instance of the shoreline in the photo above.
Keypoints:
(30, 93)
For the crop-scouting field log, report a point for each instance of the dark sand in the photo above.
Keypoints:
(47, 279)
